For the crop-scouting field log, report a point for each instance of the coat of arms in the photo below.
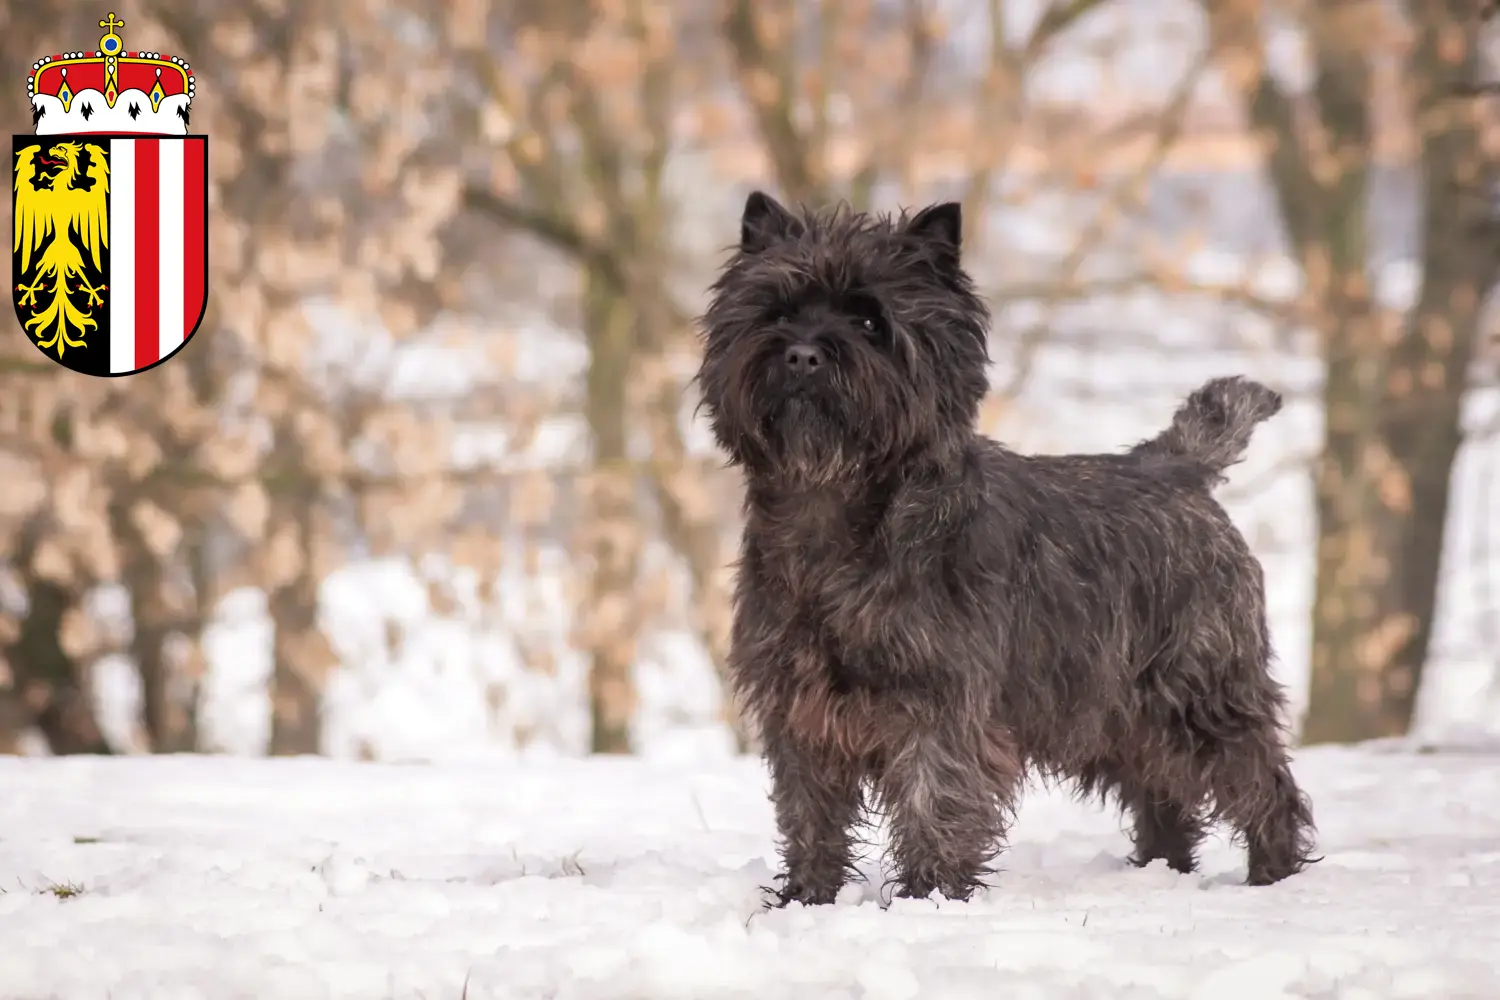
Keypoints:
(110, 257)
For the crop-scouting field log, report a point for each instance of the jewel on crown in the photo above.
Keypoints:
(111, 90)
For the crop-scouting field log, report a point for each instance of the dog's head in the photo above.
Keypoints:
(843, 344)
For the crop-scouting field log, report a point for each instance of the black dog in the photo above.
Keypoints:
(921, 610)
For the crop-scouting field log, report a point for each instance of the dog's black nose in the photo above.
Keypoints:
(804, 359)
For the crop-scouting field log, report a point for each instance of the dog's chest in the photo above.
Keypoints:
(814, 549)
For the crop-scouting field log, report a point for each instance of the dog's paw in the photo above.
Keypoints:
(1269, 873)
(958, 890)
(791, 891)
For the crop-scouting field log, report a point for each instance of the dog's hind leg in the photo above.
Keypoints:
(950, 794)
(1166, 829)
(1166, 817)
(1240, 760)
(1255, 792)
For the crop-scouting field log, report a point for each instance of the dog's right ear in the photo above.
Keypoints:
(765, 222)
(941, 228)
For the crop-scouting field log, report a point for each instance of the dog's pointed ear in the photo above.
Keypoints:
(765, 222)
(939, 227)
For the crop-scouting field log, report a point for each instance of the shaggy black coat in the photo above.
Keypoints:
(921, 614)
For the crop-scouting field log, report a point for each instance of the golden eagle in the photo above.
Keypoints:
(64, 222)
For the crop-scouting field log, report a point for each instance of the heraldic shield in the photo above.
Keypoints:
(110, 257)
(109, 260)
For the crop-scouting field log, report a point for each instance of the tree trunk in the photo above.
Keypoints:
(169, 709)
(301, 656)
(1382, 505)
(169, 701)
(52, 687)
(694, 530)
(1393, 413)
(13, 720)
(296, 691)
(1354, 596)
(612, 527)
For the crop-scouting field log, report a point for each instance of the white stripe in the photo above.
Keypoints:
(122, 255)
(170, 200)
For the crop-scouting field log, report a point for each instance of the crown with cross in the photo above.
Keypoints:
(110, 90)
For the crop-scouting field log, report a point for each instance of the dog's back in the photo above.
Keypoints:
(1119, 568)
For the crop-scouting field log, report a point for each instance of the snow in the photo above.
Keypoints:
(222, 877)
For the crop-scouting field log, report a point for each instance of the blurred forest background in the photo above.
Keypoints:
(428, 480)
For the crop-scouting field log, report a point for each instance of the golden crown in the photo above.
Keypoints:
(111, 90)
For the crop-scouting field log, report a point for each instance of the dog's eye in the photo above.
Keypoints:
(865, 315)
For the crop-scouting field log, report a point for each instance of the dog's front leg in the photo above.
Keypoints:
(951, 793)
(817, 797)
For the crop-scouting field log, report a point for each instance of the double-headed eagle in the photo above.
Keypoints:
(63, 218)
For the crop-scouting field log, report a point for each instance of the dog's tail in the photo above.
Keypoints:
(1215, 422)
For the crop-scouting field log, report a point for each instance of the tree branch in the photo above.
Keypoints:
(1125, 199)
(558, 233)
(1000, 102)
(894, 133)
(1235, 31)
(1057, 18)
(772, 98)
(1167, 282)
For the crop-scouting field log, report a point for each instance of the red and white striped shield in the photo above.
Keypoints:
(110, 254)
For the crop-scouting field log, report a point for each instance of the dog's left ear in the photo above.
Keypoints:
(940, 227)
(765, 222)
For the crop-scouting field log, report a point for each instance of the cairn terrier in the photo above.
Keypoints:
(922, 615)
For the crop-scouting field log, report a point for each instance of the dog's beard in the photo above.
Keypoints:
(811, 438)
(805, 431)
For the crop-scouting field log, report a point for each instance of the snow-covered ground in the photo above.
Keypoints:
(222, 878)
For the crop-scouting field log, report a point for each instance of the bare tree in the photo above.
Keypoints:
(1395, 379)
(587, 104)
(290, 229)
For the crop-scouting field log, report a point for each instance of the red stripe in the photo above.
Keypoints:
(147, 252)
(195, 249)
